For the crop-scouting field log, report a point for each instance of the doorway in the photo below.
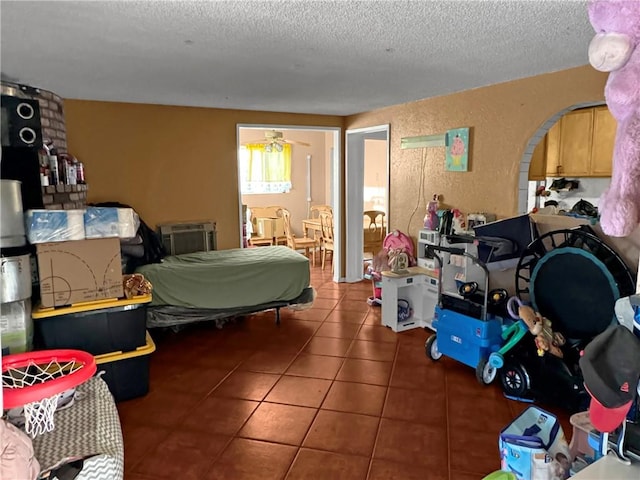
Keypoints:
(315, 173)
(357, 143)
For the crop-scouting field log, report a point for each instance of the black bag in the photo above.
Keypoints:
(154, 250)
(583, 207)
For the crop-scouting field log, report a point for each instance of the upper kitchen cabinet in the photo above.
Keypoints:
(538, 165)
(604, 135)
(581, 144)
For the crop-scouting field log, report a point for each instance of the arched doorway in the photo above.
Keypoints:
(523, 181)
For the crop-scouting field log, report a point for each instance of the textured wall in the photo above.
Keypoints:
(169, 163)
(502, 119)
(179, 163)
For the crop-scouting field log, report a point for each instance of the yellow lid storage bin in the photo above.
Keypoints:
(97, 327)
(127, 373)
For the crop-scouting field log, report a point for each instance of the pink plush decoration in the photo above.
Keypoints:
(616, 49)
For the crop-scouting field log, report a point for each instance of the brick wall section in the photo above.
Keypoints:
(52, 118)
(64, 197)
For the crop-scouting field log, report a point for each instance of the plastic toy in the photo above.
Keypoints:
(615, 49)
(398, 259)
(394, 243)
(511, 334)
(431, 219)
(546, 339)
(466, 332)
(459, 225)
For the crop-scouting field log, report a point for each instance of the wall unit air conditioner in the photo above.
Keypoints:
(188, 237)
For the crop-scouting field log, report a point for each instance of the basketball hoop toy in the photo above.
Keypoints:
(35, 380)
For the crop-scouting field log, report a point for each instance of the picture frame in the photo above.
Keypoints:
(457, 150)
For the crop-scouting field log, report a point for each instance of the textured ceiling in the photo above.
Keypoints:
(327, 57)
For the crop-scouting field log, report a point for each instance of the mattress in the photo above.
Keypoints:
(228, 279)
(176, 317)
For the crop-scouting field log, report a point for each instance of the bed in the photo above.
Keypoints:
(220, 284)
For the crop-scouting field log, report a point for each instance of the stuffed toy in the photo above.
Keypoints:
(540, 327)
(135, 284)
(616, 49)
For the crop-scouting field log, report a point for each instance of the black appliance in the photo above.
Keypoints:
(21, 125)
(23, 164)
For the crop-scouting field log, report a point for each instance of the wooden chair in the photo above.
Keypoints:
(374, 231)
(268, 221)
(314, 214)
(314, 211)
(309, 244)
(326, 244)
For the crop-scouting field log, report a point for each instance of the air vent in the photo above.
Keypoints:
(180, 238)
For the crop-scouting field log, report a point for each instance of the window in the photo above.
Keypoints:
(263, 171)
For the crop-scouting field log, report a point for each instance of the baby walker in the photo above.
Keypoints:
(467, 331)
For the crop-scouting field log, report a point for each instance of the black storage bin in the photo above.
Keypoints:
(127, 373)
(97, 328)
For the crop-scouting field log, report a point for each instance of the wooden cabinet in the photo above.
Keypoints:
(576, 132)
(580, 144)
(538, 165)
(604, 135)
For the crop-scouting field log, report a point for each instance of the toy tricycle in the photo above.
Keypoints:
(467, 331)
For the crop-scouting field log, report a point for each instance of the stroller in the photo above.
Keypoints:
(395, 240)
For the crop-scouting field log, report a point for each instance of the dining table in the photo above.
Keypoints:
(313, 225)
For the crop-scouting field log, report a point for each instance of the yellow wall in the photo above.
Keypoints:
(502, 118)
(169, 163)
(179, 163)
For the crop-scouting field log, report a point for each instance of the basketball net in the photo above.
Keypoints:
(38, 414)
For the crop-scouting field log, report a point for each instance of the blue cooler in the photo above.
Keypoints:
(467, 339)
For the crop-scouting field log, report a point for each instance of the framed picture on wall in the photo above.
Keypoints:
(457, 148)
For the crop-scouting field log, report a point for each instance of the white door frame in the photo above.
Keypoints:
(335, 180)
(354, 197)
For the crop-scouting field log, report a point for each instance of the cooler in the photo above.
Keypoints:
(127, 373)
(467, 339)
(97, 327)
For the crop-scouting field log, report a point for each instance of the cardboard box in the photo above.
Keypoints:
(79, 271)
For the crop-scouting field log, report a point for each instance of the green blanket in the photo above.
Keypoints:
(233, 278)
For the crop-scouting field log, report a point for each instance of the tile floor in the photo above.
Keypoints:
(328, 394)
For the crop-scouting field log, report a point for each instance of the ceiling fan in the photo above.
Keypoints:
(274, 140)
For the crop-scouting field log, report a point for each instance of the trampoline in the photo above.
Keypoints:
(574, 279)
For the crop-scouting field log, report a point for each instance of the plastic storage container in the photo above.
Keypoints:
(467, 339)
(97, 328)
(127, 373)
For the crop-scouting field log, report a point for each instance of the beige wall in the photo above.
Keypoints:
(169, 163)
(502, 119)
(375, 169)
(296, 199)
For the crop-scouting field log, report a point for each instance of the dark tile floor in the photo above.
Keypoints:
(328, 394)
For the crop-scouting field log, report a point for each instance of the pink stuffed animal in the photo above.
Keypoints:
(616, 49)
